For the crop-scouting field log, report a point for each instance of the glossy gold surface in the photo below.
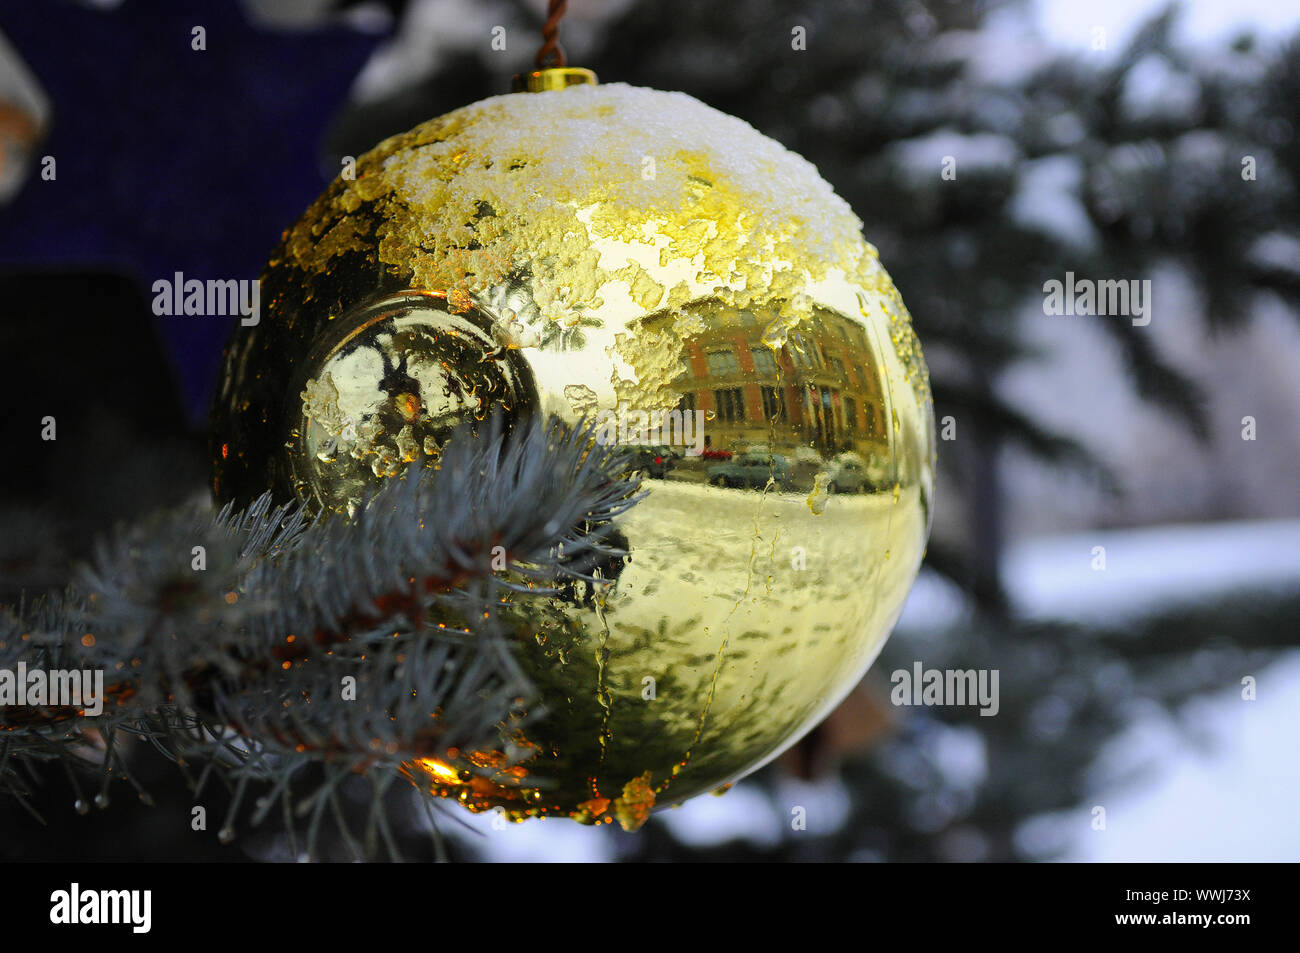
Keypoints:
(560, 77)
(637, 257)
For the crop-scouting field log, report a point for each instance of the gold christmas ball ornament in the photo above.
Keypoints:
(633, 256)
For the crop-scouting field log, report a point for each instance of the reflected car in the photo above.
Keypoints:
(656, 461)
(752, 470)
(848, 476)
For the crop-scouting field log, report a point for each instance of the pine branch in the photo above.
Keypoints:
(351, 646)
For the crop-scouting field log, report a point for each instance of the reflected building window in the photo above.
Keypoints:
(723, 363)
(802, 357)
(821, 390)
(730, 404)
(774, 404)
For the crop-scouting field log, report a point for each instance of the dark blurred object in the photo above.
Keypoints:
(863, 720)
(171, 158)
(24, 114)
(83, 350)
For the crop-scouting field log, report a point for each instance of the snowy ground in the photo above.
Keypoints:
(1146, 570)
(1228, 796)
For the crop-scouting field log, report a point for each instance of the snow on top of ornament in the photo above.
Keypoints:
(655, 150)
(587, 189)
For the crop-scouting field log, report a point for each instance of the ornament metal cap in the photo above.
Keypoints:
(560, 77)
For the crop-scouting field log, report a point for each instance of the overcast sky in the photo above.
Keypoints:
(1069, 23)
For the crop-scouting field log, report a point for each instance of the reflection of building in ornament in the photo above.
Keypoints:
(820, 390)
